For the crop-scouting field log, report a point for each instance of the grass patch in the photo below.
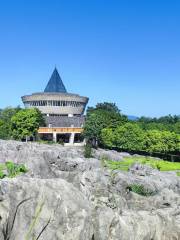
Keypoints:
(141, 190)
(127, 162)
(178, 174)
(10, 169)
(122, 165)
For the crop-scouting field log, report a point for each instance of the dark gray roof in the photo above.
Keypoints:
(55, 83)
(64, 121)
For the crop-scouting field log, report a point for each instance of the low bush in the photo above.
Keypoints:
(10, 169)
(2, 175)
(141, 190)
(15, 169)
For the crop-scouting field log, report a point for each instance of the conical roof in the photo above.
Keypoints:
(55, 83)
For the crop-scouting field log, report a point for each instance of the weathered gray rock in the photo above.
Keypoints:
(112, 155)
(55, 203)
(73, 198)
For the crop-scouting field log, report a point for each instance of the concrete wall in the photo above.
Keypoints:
(73, 110)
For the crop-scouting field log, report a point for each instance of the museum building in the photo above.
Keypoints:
(63, 112)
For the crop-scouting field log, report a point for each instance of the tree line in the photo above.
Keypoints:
(106, 127)
(166, 123)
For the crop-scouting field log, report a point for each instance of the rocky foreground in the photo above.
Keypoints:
(64, 196)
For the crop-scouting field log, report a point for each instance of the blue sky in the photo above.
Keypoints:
(122, 51)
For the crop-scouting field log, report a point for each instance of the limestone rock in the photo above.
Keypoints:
(64, 196)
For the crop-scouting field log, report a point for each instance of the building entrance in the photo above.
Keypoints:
(63, 138)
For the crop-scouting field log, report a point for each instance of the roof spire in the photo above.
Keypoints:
(55, 83)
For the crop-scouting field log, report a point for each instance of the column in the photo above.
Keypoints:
(71, 139)
(54, 137)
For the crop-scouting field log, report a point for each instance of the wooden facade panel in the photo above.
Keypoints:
(60, 130)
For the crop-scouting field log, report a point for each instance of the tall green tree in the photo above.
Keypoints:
(102, 116)
(110, 107)
(25, 123)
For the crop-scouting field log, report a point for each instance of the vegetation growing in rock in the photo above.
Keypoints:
(8, 226)
(10, 169)
(34, 222)
(141, 190)
(127, 162)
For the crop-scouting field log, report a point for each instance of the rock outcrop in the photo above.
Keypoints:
(64, 196)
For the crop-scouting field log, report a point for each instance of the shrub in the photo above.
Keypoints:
(15, 169)
(141, 190)
(88, 151)
(2, 175)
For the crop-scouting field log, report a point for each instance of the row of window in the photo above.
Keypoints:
(60, 115)
(55, 115)
(54, 103)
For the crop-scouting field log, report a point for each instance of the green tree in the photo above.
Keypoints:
(25, 123)
(176, 127)
(129, 137)
(103, 116)
(110, 107)
(108, 137)
(5, 121)
(166, 123)
(178, 144)
(95, 122)
(161, 141)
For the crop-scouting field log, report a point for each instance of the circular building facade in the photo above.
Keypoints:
(63, 111)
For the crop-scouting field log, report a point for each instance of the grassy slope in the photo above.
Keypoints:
(127, 162)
